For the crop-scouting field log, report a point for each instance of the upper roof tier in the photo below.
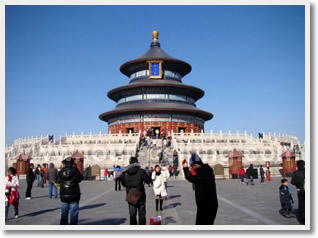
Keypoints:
(155, 53)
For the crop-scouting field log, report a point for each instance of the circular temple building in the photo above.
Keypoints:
(155, 101)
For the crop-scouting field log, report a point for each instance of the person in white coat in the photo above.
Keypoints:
(159, 186)
(11, 189)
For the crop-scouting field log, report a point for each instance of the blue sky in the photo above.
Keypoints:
(62, 60)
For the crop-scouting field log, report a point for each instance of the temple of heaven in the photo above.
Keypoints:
(155, 100)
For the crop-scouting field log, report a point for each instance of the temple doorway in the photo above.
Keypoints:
(156, 132)
(181, 129)
(130, 130)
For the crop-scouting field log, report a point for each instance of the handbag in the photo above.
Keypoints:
(14, 198)
(133, 195)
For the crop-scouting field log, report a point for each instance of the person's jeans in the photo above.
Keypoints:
(16, 210)
(242, 178)
(38, 178)
(105, 178)
(262, 178)
(251, 181)
(42, 182)
(141, 208)
(52, 187)
(73, 208)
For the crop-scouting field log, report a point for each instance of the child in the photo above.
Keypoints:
(11, 192)
(286, 198)
(242, 174)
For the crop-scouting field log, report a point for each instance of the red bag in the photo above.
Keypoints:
(14, 198)
(155, 220)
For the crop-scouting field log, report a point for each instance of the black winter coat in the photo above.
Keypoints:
(69, 179)
(285, 198)
(134, 177)
(250, 172)
(298, 179)
(30, 177)
(205, 193)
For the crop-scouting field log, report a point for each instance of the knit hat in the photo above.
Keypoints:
(68, 161)
(195, 159)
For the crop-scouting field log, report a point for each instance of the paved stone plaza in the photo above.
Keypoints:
(101, 205)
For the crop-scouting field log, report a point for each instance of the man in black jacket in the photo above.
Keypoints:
(298, 179)
(250, 174)
(30, 177)
(70, 194)
(205, 189)
(135, 177)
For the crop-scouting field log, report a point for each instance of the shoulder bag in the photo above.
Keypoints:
(133, 195)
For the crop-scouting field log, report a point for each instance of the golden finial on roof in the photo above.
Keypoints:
(155, 35)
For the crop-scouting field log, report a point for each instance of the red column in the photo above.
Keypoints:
(169, 126)
(192, 126)
(142, 127)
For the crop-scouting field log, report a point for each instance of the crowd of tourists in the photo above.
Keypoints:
(133, 178)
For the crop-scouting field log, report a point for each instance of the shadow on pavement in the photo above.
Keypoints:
(174, 196)
(168, 220)
(40, 212)
(45, 196)
(92, 206)
(108, 221)
(173, 205)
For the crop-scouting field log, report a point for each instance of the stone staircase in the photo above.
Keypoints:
(151, 153)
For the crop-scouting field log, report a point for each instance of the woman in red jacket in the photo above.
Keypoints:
(242, 175)
(105, 174)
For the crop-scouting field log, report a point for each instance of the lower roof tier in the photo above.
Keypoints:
(156, 107)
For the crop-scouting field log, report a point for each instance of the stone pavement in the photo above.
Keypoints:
(239, 204)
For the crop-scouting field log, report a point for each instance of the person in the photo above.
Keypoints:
(148, 172)
(70, 194)
(170, 169)
(135, 177)
(175, 157)
(160, 156)
(105, 174)
(250, 174)
(30, 177)
(117, 172)
(43, 175)
(159, 186)
(242, 174)
(175, 163)
(205, 189)
(51, 176)
(298, 180)
(175, 170)
(11, 192)
(286, 199)
(262, 174)
(38, 175)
